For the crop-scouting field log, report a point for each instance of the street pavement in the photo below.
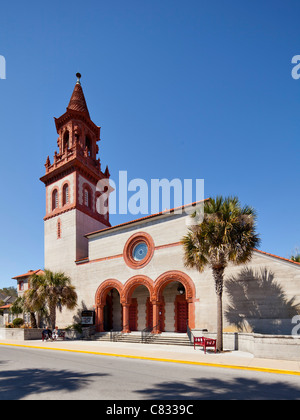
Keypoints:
(166, 353)
(82, 370)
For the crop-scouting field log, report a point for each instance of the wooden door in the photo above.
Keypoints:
(181, 314)
(133, 315)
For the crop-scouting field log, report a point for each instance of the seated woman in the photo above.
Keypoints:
(55, 333)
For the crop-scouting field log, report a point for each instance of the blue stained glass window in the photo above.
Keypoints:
(140, 251)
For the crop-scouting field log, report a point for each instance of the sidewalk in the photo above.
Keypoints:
(166, 353)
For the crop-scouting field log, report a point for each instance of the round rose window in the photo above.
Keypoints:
(140, 251)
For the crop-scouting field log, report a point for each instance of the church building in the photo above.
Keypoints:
(132, 275)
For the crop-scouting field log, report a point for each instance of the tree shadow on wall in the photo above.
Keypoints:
(257, 301)
(78, 315)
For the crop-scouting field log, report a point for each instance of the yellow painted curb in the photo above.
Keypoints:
(154, 359)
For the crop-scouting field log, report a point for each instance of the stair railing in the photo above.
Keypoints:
(145, 334)
(114, 335)
(189, 333)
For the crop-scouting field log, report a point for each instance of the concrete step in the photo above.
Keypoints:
(171, 339)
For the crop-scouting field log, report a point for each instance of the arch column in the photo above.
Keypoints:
(125, 307)
(100, 318)
(156, 317)
(191, 311)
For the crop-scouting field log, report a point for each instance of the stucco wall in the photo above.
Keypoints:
(262, 295)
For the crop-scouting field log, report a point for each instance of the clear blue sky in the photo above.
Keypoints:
(181, 89)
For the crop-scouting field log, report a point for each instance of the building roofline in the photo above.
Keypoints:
(142, 219)
(277, 256)
(29, 273)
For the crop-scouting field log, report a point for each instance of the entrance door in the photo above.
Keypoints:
(149, 315)
(133, 315)
(181, 314)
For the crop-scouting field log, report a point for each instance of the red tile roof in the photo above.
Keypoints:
(147, 217)
(29, 273)
(77, 101)
(276, 256)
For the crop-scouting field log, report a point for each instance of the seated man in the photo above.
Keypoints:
(47, 333)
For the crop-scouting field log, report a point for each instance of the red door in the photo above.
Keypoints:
(181, 315)
(133, 315)
(149, 315)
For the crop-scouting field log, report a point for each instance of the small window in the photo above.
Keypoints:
(65, 194)
(55, 199)
(66, 141)
(58, 229)
(87, 198)
(88, 145)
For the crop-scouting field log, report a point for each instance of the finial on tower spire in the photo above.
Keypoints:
(78, 75)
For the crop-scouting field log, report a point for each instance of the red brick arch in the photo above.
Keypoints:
(105, 288)
(170, 276)
(133, 283)
(190, 291)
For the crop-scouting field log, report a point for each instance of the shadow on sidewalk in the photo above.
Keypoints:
(18, 384)
(230, 389)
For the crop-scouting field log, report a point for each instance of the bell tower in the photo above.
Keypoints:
(71, 186)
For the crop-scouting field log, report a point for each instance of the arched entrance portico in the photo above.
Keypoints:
(105, 302)
(166, 304)
(179, 291)
(136, 292)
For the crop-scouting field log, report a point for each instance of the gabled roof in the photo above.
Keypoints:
(176, 210)
(5, 307)
(28, 274)
(276, 256)
(169, 212)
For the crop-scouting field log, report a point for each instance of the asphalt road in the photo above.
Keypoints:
(35, 374)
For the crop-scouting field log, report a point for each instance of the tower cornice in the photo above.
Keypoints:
(77, 115)
(63, 169)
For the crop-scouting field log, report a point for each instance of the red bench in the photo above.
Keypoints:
(205, 342)
(61, 334)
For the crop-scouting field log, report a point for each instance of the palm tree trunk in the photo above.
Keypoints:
(53, 316)
(218, 273)
(33, 320)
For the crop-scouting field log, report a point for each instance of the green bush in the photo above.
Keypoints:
(76, 327)
(18, 322)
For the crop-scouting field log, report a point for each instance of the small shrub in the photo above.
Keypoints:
(18, 322)
(76, 327)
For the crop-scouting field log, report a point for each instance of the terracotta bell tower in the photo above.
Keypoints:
(71, 185)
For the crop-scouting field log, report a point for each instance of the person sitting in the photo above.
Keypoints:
(46, 334)
(55, 333)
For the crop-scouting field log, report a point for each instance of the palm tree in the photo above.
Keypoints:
(34, 305)
(226, 235)
(54, 290)
(296, 258)
(20, 306)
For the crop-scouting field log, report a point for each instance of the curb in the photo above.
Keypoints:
(156, 359)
